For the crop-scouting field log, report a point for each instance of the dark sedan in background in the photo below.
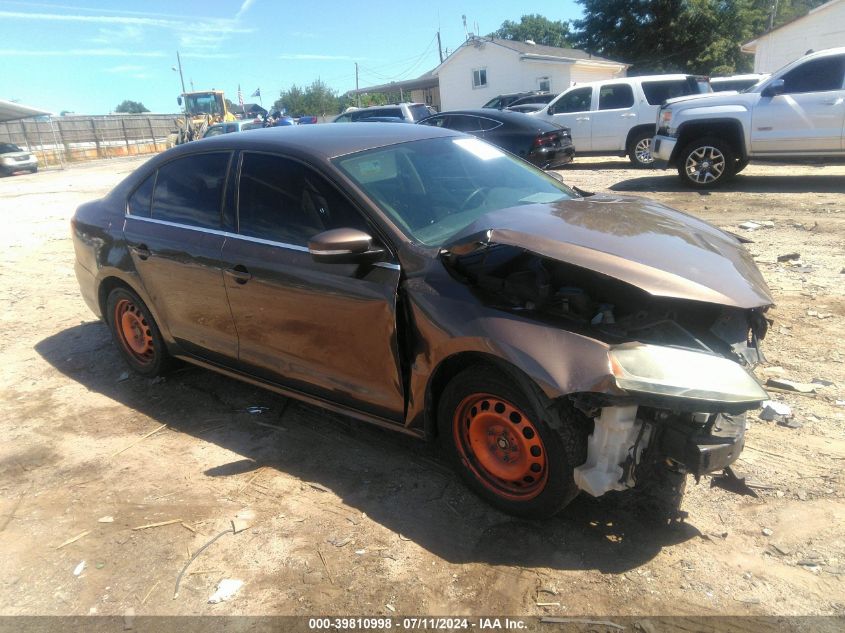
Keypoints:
(542, 143)
(428, 282)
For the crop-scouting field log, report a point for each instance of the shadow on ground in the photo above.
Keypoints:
(663, 181)
(396, 481)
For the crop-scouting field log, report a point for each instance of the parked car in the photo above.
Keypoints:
(13, 158)
(738, 83)
(305, 119)
(795, 114)
(526, 108)
(546, 145)
(500, 102)
(410, 112)
(538, 97)
(233, 126)
(428, 282)
(616, 117)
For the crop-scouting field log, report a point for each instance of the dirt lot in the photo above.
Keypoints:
(352, 520)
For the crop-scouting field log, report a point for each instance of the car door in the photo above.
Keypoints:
(328, 330)
(173, 230)
(572, 110)
(613, 118)
(808, 116)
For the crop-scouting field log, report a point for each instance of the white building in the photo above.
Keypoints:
(482, 68)
(823, 27)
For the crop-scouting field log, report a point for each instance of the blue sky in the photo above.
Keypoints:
(88, 56)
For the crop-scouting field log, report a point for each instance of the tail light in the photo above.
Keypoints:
(548, 139)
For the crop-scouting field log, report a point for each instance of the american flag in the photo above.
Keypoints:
(240, 96)
(257, 93)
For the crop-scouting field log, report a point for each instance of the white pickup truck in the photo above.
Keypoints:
(796, 113)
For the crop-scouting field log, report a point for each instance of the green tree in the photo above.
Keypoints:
(537, 28)
(131, 107)
(291, 100)
(320, 99)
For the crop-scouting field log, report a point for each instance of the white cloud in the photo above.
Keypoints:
(244, 8)
(309, 57)
(79, 52)
(124, 69)
(122, 33)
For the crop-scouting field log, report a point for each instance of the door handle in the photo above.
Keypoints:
(629, 115)
(834, 102)
(582, 118)
(141, 251)
(239, 273)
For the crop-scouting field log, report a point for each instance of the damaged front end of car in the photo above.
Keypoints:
(679, 342)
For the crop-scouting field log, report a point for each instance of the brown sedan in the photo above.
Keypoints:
(425, 281)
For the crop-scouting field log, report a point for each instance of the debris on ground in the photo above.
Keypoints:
(730, 481)
(822, 382)
(159, 524)
(194, 557)
(79, 568)
(767, 531)
(226, 590)
(74, 539)
(123, 376)
(791, 385)
(139, 440)
(257, 410)
(106, 519)
(774, 411)
(243, 520)
(789, 257)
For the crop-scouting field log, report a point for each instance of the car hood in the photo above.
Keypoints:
(22, 154)
(730, 97)
(663, 251)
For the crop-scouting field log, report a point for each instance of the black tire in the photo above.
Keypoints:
(636, 154)
(706, 163)
(34, 170)
(145, 353)
(533, 428)
(741, 163)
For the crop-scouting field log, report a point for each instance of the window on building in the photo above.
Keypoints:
(479, 78)
(544, 84)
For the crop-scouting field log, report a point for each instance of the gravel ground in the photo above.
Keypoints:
(346, 519)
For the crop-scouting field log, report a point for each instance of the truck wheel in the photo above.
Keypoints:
(136, 334)
(639, 149)
(706, 163)
(741, 163)
(510, 443)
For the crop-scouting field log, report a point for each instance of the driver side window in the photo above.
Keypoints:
(818, 75)
(574, 101)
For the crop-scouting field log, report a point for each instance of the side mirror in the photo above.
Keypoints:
(773, 89)
(343, 246)
(179, 100)
(549, 110)
(554, 175)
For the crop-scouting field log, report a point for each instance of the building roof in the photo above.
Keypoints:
(748, 47)
(426, 80)
(11, 111)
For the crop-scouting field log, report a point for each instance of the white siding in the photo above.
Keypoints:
(824, 28)
(506, 72)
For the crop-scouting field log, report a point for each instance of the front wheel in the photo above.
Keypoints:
(510, 444)
(706, 163)
(136, 334)
(639, 149)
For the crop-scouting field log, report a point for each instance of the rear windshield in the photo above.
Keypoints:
(419, 111)
(657, 92)
(369, 113)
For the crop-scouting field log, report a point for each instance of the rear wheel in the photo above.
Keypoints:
(639, 149)
(706, 162)
(136, 334)
(510, 443)
(741, 163)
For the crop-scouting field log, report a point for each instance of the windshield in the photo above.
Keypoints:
(434, 188)
(203, 104)
(6, 148)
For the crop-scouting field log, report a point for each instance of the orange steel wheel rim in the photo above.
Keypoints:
(501, 446)
(134, 331)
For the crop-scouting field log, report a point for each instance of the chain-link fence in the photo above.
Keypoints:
(77, 138)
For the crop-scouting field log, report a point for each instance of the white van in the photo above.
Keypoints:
(616, 117)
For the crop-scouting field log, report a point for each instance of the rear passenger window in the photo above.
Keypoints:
(656, 92)
(464, 123)
(139, 202)
(615, 97)
(284, 201)
(189, 190)
(574, 101)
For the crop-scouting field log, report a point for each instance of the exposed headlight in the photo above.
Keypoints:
(7, 161)
(666, 371)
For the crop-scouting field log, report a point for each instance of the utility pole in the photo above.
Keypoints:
(357, 94)
(181, 78)
(773, 14)
(439, 47)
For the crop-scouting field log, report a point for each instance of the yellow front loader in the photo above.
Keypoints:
(201, 109)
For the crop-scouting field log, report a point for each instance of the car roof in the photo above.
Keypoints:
(319, 141)
(505, 116)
